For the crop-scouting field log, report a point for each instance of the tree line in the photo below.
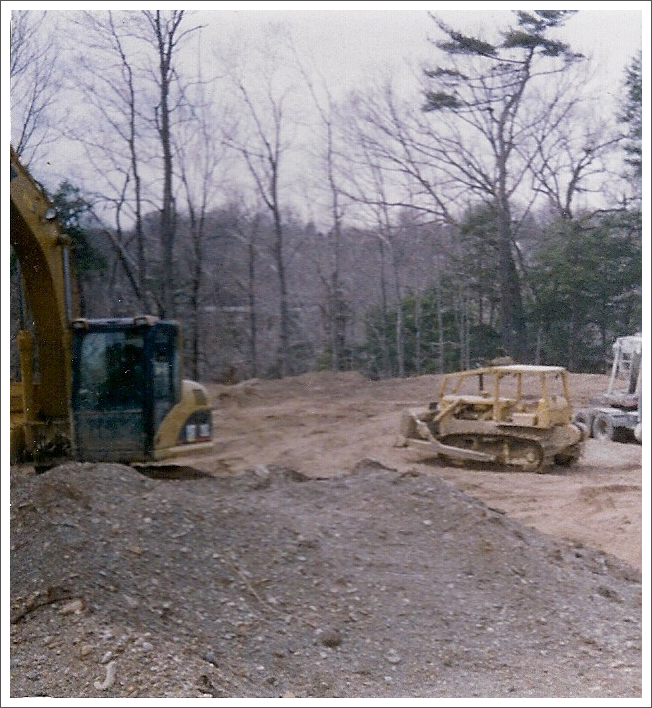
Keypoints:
(494, 211)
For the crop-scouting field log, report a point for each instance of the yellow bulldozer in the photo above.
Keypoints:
(517, 415)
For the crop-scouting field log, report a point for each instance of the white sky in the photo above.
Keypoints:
(349, 43)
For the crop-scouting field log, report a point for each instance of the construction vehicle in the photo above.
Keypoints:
(515, 415)
(90, 389)
(616, 414)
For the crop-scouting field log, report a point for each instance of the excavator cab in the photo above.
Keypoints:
(128, 399)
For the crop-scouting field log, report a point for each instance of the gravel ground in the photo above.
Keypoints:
(268, 583)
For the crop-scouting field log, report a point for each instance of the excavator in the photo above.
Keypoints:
(92, 390)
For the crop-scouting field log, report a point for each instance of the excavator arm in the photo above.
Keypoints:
(40, 402)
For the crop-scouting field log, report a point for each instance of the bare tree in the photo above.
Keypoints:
(263, 142)
(197, 207)
(388, 174)
(202, 165)
(572, 164)
(574, 156)
(111, 87)
(167, 36)
(246, 230)
(131, 80)
(374, 191)
(35, 74)
(336, 307)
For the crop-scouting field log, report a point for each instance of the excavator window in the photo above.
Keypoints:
(165, 369)
(111, 371)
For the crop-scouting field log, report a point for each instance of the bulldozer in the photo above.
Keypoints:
(518, 416)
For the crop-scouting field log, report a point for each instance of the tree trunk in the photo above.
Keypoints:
(253, 353)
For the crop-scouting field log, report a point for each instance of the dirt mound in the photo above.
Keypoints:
(305, 385)
(269, 583)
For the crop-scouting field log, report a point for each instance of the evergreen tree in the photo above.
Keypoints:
(587, 276)
(632, 117)
(72, 212)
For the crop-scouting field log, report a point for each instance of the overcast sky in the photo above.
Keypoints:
(350, 39)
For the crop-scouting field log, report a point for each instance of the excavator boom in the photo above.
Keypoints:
(40, 415)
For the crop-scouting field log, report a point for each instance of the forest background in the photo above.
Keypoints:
(484, 199)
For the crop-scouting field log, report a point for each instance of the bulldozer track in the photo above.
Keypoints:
(509, 450)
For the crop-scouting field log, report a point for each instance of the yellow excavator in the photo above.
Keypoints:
(94, 390)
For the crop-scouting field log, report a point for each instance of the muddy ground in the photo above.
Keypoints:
(308, 556)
